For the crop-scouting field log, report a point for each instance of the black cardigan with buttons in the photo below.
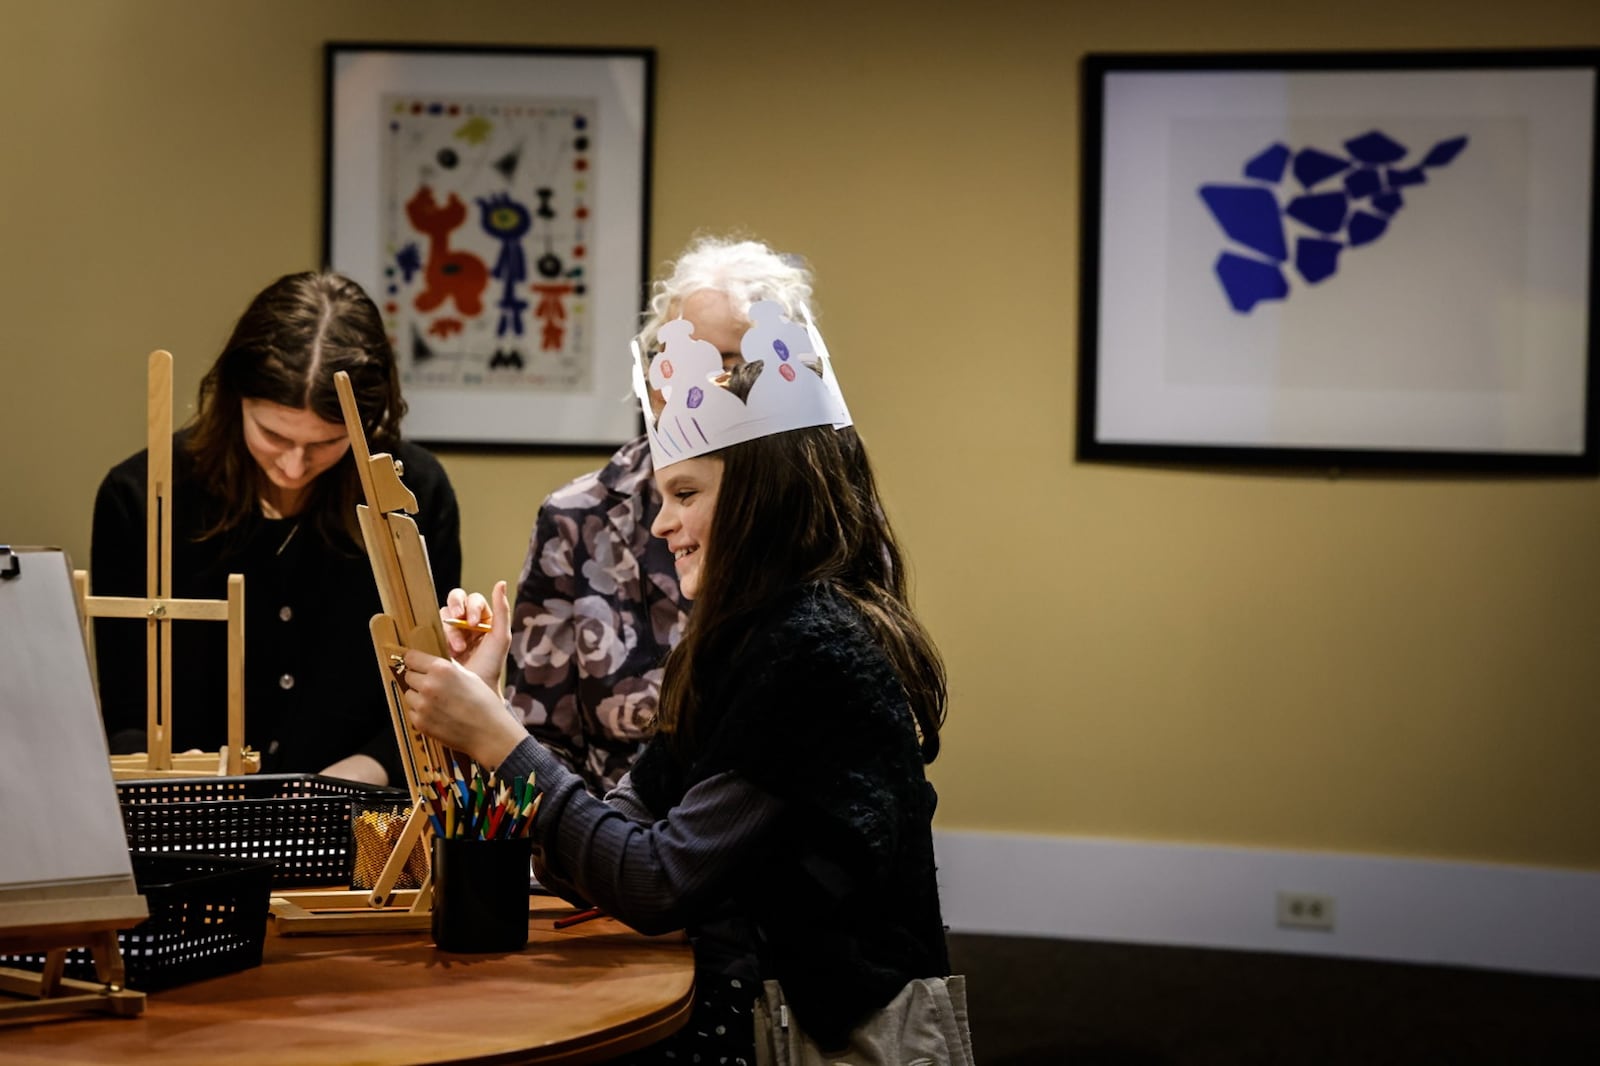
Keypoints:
(313, 694)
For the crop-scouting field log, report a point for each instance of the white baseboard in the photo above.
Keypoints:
(1529, 919)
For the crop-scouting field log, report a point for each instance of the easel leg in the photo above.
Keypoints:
(233, 760)
(383, 888)
(108, 964)
(51, 994)
(55, 965)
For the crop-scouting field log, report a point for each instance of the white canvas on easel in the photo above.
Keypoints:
(66, 879)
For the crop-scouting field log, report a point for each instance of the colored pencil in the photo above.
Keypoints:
(480, 806)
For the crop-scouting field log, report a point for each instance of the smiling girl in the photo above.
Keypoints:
(780, 813)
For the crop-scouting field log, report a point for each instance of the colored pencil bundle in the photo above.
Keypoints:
(474, 806)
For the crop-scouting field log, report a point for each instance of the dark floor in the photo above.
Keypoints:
(1080, 1003)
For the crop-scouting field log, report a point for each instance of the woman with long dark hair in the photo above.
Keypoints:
(264, 484)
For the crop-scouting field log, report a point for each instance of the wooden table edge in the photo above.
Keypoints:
(600, 1047)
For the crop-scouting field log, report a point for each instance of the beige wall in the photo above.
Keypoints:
(1373, 664)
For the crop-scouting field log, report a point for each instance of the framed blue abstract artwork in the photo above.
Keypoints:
(494, 202)
(1341, 260)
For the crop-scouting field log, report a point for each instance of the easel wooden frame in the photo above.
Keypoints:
(410, 611)
(54, 916)
(55, 926)
(159, 610)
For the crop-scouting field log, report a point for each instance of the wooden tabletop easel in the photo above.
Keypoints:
(159, 610)
(410, 619)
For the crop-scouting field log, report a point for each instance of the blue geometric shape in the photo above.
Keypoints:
(1365, 228)
(1323, 212)
(409, 260)
(1360, 184)
(1247, 281)
(1444, 152)
(1369, 186)
(1316, 258)
(1312, 166)
(1248, 215)
(1389, 202)
(1374, 147)
(1268, 166)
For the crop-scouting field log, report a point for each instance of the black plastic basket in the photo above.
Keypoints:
(302, 822)
(208, 917)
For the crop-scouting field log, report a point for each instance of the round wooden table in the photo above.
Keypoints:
(578, 995)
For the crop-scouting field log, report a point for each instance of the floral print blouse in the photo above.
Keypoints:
(597, 609)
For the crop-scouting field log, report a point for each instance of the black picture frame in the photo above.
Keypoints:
(1458, 334)
(495, 202)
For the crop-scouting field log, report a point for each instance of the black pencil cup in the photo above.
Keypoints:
(480, 894)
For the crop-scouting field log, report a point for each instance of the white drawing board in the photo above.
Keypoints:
(62, 825)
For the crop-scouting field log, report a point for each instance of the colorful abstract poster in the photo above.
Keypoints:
(494, 203)
(488, 210)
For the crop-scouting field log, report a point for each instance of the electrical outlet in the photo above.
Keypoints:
(1305, 910)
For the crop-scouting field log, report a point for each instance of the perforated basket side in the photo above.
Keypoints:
(208, 917)
(302, 822)
(308, 838)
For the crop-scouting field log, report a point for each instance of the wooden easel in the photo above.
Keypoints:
(410, 619)
(160, 610)
(54, 926)
(67, 879)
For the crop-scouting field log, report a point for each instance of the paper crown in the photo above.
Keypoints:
(702, 416)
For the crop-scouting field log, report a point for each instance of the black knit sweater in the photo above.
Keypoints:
(844, 897)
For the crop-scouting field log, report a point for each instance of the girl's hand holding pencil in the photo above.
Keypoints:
(478, 637)
(457, 701)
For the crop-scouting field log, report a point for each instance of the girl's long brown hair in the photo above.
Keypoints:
(793, 509)
(291, 340)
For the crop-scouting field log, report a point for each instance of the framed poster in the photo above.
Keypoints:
(494, 202)
(1382, 259)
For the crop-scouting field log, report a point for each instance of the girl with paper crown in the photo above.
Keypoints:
(597, 605)
(780, 812)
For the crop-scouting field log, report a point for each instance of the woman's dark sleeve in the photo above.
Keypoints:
(117, 568)
(655, 876)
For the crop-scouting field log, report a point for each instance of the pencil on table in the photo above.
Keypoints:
(581, 916)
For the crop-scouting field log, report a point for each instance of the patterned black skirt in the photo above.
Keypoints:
(720, 1030)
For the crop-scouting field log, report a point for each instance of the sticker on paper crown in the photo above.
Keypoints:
(796, 388)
